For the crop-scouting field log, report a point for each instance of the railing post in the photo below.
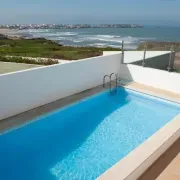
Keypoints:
(144, 57)
(122, 49)
(171, 56)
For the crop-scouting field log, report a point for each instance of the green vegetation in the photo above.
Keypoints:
(28, 61)
(45, 48)
(177, 70)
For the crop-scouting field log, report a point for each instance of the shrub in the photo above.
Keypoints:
(28, 61)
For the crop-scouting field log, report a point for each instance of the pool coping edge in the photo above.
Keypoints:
(140, 159)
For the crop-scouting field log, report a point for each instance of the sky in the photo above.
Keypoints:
(157, 12)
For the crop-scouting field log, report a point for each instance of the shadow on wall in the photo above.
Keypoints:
(126, 74)
(158, 62)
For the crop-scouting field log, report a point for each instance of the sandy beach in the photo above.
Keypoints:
(11, 33)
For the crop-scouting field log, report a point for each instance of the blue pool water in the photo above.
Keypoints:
(83, 140)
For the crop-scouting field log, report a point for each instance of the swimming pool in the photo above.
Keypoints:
(83, 140)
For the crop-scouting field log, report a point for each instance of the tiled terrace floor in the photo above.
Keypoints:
(167, 167)
(154, 92)
(7, 67)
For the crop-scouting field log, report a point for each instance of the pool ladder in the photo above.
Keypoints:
(112, 90)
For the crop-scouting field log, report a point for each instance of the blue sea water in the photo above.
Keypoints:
(83, 140)
(113, 37)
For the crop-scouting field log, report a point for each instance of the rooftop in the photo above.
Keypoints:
(6, 67)
(44, 89)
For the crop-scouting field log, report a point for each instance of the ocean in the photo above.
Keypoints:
(102, 37)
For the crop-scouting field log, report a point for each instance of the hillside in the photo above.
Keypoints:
(45, 48)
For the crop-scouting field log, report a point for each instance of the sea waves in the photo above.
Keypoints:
(84, 38)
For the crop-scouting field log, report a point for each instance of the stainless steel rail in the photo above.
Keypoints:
(144, 57)
(110, 82)
(105, 79)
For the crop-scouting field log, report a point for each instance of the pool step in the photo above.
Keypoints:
(113, 92)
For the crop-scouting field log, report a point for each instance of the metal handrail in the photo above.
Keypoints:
(105, 79)
(144, 56)
(111, 81)
(170, 59)
(122, 49)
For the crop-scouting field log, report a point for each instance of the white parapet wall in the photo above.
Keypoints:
(133, 56)
(151, 75)
(28, 89)
(160, 79)
(157, 60)
(105, 53)
(154, 59)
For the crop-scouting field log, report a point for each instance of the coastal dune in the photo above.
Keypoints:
(11, 33)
